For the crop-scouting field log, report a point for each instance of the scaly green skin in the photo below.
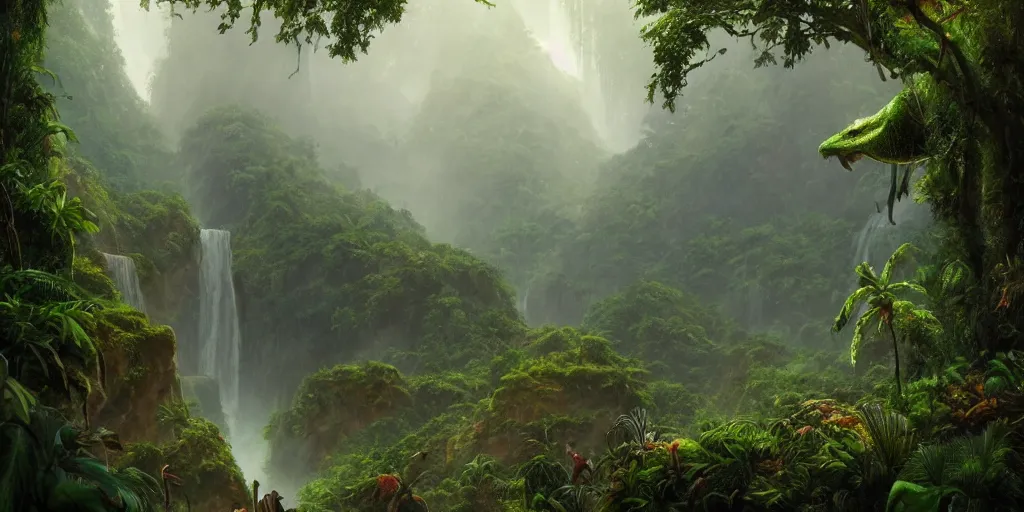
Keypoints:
(895, 135)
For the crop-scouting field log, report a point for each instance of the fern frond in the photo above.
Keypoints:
(858, 332)
(866, 275)
(852, 302)
(901, 254)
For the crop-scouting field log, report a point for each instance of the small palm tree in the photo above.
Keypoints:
(881, 295)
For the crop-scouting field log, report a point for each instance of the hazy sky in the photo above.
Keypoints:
(140, 34)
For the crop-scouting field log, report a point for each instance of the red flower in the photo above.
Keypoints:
(387, 485)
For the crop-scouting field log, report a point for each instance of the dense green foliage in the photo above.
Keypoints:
(198, 457)
(657, 401)
(358, 278)
(95, 97)
(966, 58)
(699, 203)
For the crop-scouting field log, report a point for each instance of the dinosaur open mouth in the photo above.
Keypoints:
(846, 160)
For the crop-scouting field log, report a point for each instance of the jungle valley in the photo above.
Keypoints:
(519, 255)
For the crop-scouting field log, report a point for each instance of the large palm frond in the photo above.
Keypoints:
(46, 466)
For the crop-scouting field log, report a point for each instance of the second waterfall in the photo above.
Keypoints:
(219, 337)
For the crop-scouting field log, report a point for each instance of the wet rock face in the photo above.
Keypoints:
(140, 375)
(204, 394)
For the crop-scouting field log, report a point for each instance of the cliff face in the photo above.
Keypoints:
(199, 456)
(332, 405)
(139, 374)
(203, 395)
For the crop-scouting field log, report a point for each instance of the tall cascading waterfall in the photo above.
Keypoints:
(219, 335)
(220, 343)
(122, 270)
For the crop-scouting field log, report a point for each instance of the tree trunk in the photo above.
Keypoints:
(896, 353)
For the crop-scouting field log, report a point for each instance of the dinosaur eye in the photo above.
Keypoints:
(853, 132)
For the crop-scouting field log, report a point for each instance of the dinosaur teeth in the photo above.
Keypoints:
(845, 163)
(846, 160)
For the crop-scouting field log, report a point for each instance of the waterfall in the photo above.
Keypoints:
(879, 238)
(879, 235)
(523, 302)
(126, 278)
(219, 335)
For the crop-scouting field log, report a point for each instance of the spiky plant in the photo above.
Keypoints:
(970, 473)
(481, 480)
(884, 306)
(541, 478)
(890, 442)
(175, 415)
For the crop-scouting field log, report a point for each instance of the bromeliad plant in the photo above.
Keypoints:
(885, 307)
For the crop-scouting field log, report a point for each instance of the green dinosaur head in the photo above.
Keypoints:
(894, 135)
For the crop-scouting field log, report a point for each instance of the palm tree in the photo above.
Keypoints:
(880, 294)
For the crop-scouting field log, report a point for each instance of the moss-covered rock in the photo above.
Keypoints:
(158, 231)
(90, 275)
(139, 376)
(331, 405)
(568, 395)
(201, 458)
(432, 394)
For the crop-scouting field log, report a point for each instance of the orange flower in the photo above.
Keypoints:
(804, 430)
(1004, 301)
(845, 421)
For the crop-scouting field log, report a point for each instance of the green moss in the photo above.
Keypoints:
(159, 227)
(139, 372)
(89, 274)
(201, 458)
(331, 405)
(551, 339)
(433, 393)
(590, 375)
